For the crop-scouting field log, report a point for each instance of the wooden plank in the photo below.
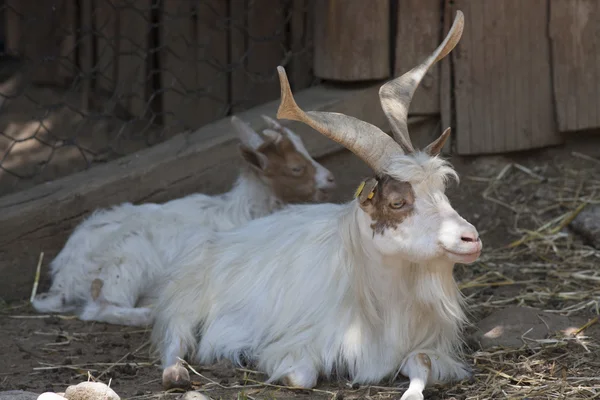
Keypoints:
(212, 64)
(67, 67)
(446, 77)
(302, 44)
(237, 54)
(43, 33)
(134, 26)
(352, 40)
(106, 24)
(418, 33)
(42, 218)
(266, 49)
(86, 52)
(178, 71)
(193, 63)
(502, 78)
(575, 40)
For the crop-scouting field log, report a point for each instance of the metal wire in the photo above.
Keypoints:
(84, 82)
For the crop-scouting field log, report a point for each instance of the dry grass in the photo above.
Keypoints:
(547, 267)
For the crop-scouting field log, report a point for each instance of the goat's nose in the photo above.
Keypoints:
(469, 236)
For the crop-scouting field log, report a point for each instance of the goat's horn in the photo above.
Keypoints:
(246, 134)
(396, 95)
(367, 141)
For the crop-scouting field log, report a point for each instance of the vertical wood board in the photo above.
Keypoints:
(265, 44)
(132, 75)
(43, 34)
(575, 39)
(86, 52)
(237, 54)
(502, 77)
(302, 44)
(193, 62)
(418, 33)
(106, 26)
(446, 77)
(212, 63)
(352, 40)
(178, 48)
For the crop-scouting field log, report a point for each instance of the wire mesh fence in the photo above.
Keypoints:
(87, 81)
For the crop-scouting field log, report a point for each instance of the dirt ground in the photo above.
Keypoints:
(521, 204)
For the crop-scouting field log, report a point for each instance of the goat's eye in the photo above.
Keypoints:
(298, 170)
(397, 204)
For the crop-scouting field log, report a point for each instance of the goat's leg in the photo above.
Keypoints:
(175, 375)
(52, 302)
(120, 312)
(417, 368)
(118, 315)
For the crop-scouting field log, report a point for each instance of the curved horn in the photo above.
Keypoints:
(396, 95)
(367, 141)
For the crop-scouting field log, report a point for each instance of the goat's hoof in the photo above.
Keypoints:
(303, 379)
(176, 377)
(408, 395)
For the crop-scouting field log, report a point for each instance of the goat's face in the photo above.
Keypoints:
(414, 220)
(280, 158)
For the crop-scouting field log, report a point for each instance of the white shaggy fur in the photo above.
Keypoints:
(123, 250)
(313, 290)
(363, 289)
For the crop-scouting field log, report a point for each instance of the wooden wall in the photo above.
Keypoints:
(524, 73)
(179, 63)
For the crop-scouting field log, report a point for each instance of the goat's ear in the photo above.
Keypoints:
(366, 190)
(437, 145)
(255, 159)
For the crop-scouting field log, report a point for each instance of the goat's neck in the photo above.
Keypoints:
(252, 195)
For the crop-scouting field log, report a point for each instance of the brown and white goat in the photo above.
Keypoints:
(363, 289)
(111, 266)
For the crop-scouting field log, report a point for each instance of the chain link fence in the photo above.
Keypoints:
(87, 81)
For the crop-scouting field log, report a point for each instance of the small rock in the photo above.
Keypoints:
(91, 391)
(18, 395)
(587, 225)
(506, 327)
(50, 396)
(191, 395)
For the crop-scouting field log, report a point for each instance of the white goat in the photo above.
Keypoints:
(114, 259)
(363, 289)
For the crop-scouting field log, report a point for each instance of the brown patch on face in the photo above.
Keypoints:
(390, 204)
(291, 174)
